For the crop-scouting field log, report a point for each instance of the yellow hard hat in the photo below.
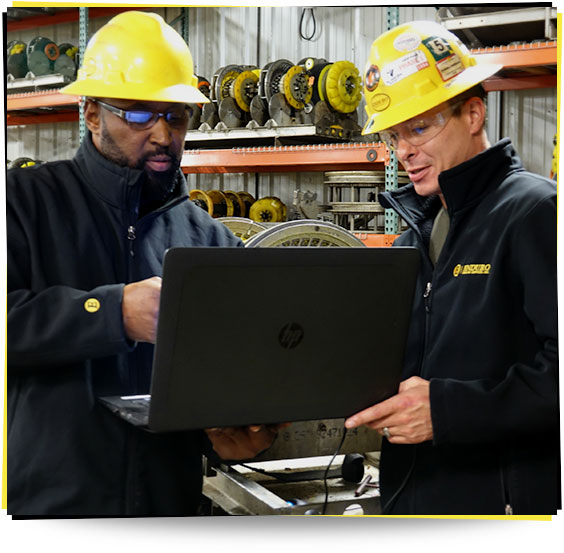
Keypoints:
(137, 56)
(413, 68)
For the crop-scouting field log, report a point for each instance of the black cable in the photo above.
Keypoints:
(327, 471)
(302, 24)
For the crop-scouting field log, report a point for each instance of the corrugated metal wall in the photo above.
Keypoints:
(221, 36)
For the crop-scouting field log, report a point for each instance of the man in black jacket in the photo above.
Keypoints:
(86, 240)
(474, 428)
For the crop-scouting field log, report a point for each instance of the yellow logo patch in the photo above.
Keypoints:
(472, 269)
(91, 305)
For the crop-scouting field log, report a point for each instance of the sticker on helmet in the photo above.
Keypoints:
(450, 67)
(404, 67)
(372, 78)
(380, 102)
(438, 47)
(407, 42)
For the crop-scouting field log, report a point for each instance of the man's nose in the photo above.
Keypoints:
(161, 132)
(404, 149)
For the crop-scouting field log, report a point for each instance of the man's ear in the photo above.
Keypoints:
(92, 117)
(476, 114)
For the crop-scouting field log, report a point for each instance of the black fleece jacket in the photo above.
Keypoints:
(74, 235)
(484, 332)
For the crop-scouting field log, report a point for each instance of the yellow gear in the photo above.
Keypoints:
(413, 68)
(343, 86)
(137, 56)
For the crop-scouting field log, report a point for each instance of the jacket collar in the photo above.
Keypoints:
(462, 186)
(465, 185)
(117, 185)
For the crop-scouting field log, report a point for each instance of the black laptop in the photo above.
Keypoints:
(267, 335)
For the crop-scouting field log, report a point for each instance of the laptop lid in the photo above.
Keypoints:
(268, 335)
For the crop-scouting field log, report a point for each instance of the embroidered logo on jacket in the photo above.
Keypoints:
(472, 269)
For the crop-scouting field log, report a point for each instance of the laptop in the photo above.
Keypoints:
(268, 335)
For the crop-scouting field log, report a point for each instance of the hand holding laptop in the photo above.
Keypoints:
(140, 309)
(236, 443)
(404, 418)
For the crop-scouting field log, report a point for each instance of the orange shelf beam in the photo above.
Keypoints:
(520, 82)
(522, 55)
(36, 118)
(376, 240)
(41, 99)
(324, 157)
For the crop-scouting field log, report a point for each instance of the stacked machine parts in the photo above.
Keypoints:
(311, 92)
(40, 57)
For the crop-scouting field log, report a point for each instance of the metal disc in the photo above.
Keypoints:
(38, 63)
(242, 227)
(280, 110)
(305, 233)
(65, 66)
(259, 110)
(195, 117)
(222, 79)
(209, 115)
(274, 73)
(230, 113)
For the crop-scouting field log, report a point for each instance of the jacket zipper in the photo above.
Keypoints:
(505, 489)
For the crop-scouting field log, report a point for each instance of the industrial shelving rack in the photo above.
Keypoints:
(529, 65)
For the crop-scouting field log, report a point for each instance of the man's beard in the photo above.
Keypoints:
(160, 183)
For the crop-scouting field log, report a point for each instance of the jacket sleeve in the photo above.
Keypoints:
(526, 400)
(56, 325)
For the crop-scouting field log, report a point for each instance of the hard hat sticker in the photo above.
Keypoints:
(407, 42)
(438, 47)
(404, 67)
(380, 102)
(371, 78)
(450, 67)
(91, 305)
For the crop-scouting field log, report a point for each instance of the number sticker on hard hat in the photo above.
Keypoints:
(404, 67)
(438, 47)
(448, 63)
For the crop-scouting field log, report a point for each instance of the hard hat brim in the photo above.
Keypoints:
(180, 93)
(410, 108)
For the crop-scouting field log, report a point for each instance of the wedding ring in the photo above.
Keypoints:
(386, 432)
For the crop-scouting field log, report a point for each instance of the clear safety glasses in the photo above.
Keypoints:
(420, 129)
(142, 120)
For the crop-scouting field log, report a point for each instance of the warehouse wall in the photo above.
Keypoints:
(221, 36)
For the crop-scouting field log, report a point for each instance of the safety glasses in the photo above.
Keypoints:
(419, 130)
(141, 120)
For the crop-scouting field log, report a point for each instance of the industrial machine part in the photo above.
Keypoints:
(41, 55)
(220, 203)
(65, 64)
(353, 198)
(337, 92)
(195, 119)
(16, 60)
(248, 199)
(215, 202)
(232, 91)
(239, 206)
(270, 209)
(305, 233)
(242, 227)
(22, 163)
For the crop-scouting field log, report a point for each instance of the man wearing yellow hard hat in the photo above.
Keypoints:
(474, 428)
(86, 239)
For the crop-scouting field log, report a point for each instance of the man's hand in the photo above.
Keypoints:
(140, 309)
(236, 443)
(406, 416)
